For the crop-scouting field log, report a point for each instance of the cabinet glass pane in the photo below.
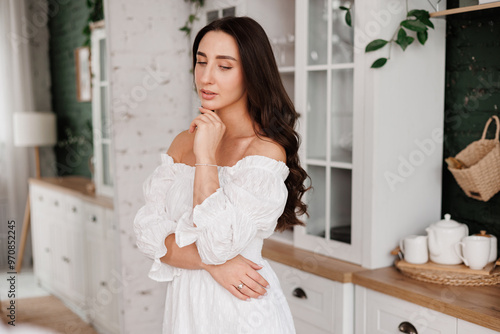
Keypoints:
(317, 32)
(316, 199)
(340, 205)
(342, 35)
(316, 115)
(104, 112)
(107, 176)
(288, 80)
(102, 59)
(341, 115)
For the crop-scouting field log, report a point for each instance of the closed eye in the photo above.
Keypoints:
(225, 68)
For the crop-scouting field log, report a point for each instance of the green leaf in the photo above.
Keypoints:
(348, 19)
(186, 29)
(414, 25)
(375, 45)
(379, 63)
(403, 39)
(191, 18)
(343, 8)
(422, 37)
(418, 13)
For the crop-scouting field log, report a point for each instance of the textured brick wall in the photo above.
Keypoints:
(74, 119)
(472, 96)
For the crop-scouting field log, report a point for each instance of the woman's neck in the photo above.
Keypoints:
(237, 121)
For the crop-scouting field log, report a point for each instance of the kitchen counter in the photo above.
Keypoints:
(76, 186)
(310, 262)
(479, 305)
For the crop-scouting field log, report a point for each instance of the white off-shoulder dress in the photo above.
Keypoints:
(233, 220)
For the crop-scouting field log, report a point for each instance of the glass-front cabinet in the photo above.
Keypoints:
(101, 118)
(324, 98)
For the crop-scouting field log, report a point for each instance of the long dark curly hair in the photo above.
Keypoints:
(268, 103)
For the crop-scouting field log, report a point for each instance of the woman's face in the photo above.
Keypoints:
(218, 72)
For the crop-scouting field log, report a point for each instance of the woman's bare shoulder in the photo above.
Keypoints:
(181, 144)
(266, 147)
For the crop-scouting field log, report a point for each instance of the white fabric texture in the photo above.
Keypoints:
(233, 220)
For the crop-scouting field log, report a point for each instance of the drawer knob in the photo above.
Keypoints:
(74, 209)
(408, 328)
(299, 293)
(93, 219)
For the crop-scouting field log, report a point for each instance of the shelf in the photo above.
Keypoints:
(286, 69)
(465, 9)
(325, 67)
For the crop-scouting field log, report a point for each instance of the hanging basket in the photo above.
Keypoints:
(479, 176)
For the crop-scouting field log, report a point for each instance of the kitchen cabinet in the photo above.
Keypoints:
(465, 327)
(376, 312)
(372, 138)
(318, 305)
(74, 251)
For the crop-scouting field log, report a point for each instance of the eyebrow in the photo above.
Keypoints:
(217, 57)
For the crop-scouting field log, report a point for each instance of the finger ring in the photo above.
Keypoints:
(240, 286)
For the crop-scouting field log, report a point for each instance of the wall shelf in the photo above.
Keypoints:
(465, 9)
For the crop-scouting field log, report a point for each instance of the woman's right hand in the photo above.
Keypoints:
(239, 270)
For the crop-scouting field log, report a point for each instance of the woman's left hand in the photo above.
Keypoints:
(209, 131)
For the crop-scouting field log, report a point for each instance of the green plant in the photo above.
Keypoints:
(417, 22)
(193, 16)
(96, 13)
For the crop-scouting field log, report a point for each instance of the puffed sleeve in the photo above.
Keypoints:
(247, 205)
(153, 222)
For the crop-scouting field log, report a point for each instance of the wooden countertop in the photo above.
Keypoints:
(479, 305)
(76, 186)
(310, 262)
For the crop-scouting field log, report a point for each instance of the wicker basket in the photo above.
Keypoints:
(481, 178)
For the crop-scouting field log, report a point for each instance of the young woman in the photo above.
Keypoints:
(225, 185)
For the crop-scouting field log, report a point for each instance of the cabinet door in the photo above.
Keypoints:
(41, 227)
(102, 305)
(380, 313)
(318, 305)
(325, 95)
(465, 327)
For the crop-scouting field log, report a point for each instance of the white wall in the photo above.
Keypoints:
(150, 85)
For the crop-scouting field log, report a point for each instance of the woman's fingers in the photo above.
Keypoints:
(252, 264)
(256, 277)
(254, 286)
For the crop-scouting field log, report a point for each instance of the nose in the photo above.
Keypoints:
(206, 74)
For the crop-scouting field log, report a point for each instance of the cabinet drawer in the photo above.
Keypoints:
(73, 210)
(316, 308)
(46, 201)
(380, 313)
(94, 218)
(465, 327)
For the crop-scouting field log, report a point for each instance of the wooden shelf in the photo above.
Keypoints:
(465, 9)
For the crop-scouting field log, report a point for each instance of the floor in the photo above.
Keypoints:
(37, 312)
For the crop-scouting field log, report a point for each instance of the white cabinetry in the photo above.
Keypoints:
(363, 129)
(73, 249)
(465, 327)
(318, 305)
(380, 313)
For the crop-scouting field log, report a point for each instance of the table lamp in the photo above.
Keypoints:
(32, 129)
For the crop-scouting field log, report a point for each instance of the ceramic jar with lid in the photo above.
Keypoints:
(442, 237)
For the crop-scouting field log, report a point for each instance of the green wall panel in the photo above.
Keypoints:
(74, 119)
(472, 95)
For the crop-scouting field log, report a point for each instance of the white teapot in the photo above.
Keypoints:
(443, 236)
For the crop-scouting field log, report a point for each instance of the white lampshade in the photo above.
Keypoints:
(34, 128)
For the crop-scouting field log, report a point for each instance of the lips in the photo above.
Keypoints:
(207, 94)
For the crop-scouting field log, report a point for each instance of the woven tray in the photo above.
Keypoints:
(457, 275)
